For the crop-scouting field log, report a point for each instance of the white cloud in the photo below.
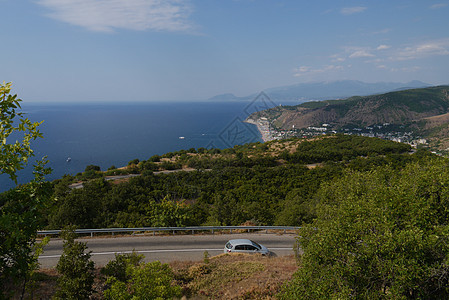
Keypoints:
(406, 69)
(438, 5)
(352, 10)
(383, 47)
(383, 31)
(303, 69)
(308, 71)
(108, 15)
(360, 53)
(337, 58)
(432, 48)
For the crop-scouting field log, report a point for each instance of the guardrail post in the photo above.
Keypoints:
(175, 229)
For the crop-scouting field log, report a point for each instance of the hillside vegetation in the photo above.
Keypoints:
(373, 214)
(415, 109)
(268, 184)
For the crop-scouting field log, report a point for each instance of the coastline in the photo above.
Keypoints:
(264, 128)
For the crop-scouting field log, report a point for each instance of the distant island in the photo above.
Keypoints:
(419, 117)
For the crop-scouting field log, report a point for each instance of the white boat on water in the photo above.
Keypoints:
(181, 137)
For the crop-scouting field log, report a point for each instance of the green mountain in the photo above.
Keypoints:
(424, 111)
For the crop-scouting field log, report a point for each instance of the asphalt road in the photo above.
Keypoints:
(166, 248)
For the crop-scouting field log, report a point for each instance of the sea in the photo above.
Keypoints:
(112, 134)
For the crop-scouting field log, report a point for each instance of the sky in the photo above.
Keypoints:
(163, 50)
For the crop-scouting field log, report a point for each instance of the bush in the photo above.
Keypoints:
(148, 281)
(117, 267)
(381, 234)
(90, 174)
(170, 166)
(115, 172)
(148, 165)
(92, 168)
(155, 158)
(76, 269)
(133, 162)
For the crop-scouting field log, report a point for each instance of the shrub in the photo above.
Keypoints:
(76, 269)
(92, 168)
(117, 267)
(381, 234)
(133, 162)
(146, 281)
(155, 158)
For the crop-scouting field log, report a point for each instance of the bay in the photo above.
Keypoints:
(78, 135)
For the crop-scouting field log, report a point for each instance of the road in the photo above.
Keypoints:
(166, 248)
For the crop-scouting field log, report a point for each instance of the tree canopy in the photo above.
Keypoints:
(14, 156)
(378, 234)
(21, 209)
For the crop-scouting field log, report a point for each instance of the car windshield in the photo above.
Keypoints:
(257, 245)
(228, 245)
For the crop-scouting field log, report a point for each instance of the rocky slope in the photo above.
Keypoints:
(422, 110)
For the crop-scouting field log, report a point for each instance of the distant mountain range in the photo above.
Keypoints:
(325, 90)
(424, 111)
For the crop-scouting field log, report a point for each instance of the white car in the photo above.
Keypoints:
(245, 246)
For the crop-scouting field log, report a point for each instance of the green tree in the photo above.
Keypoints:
(92, 168)
(117, 268)
(133, 162)
(227, 211)
(75, 269)
(169, 213)
(14, 156)
(81, 207)
(381, 234)
(22, 209)
(297, 209)
(148, 281)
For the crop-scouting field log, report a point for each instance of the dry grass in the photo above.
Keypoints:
(226, 276)
(46, 285)
(436, 121)
(236, 276)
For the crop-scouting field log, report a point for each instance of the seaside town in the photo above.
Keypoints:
(387, 131)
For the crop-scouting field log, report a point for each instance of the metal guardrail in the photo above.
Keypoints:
(171, 229)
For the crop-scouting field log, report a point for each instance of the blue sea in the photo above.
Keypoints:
(77, 135)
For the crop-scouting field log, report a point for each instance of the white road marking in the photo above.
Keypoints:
(153, 251)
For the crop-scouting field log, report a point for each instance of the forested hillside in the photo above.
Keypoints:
(373, 213)
(267, 184)
(378, 234)
(401, 107)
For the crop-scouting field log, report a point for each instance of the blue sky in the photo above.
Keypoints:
(161, 50)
